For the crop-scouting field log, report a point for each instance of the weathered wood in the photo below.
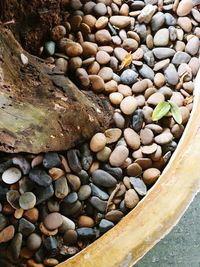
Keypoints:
(41, 111)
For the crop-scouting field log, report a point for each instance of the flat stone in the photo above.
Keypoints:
(11, 175)
(25, 227)
(113, 135)
(149, 149)
(102, 178)
(40, 177)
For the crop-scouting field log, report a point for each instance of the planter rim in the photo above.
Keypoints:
(158, 212)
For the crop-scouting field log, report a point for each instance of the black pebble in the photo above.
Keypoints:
(51, 159)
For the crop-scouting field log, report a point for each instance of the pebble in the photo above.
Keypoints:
(147, 72)
(73, 49)
(184, 7)
(139, 186)
(185, 23)
(163, 52)
(84, 192)
(22, 163)
(157, 21)
(43, 193)
(161, 38)
(50, 47)
(97, 83)
(89, 49)
(85, 221)
(11, 175)
(25, 227)
(71, 198)
(50, 244)
(163, 138)
(34, 241)
(40, 177)
(98, 142)
(171, 74)
(99, 204)
(170, 20)
(97, 192)
(70, 237)
(134, 169)
(105, 225)
(104, 154)
(116, 98)
(155, 99)
(151, 175)
(7, 234)
(101, 23)
(120, 21)
(192, 46)
(131, 199)
(132, 138)
(61, 187)
(103, 37)
(147, 13)
(86, 232)
(119, 120)
(27, 200)
(102, 178)
(113, 135)
(51, 262)
(106, 74)
(149, 149)
(137, 120)
(102, 57)
(31, 215)
(67, 225)
(15, 246)
(12, 197)
(128, 77)
(114, 216)
(56, 173)
(128, 105)
(73, 160)
(181, 57)
(120, 53)
(118, 156)
(51, 159)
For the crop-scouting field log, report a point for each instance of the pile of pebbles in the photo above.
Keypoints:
(53, 205)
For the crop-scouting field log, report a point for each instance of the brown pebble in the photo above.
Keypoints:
(85, 221)
(47, 232)
(18, 213)
(144, 163)
(112, 135)
(73, 49)
(98, 142)
(102, 57)
(97, 83)
(151, 175)
(111, 86)
(70, 237)
(26, 253)
(74, 181)
(114, 216)
(32, 215)
(7, 234)
(89, 49)
(56, 173)
(146, 136)
(119, 155)
(94, 167)
(132, 138)
(32, 263)
(37, 161)
(53, 221)
(134, 169)
(149, 149)
(126, 181)
(51, 262)
(131, 199)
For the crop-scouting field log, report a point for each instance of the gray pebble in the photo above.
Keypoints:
(137, 120)
(98, 204)
(50, 48)
(149, 58)
(71, 198)
(84, 192)
(172, 33)
(181, 57)
(61, 187)
(86, 232)
(34, 241)
(171, 74)
(169, 19)
(73, 160)
(15, 246)
(103, 178)
(25, 227)
(146, 72)
(70, 209)
(157, 21)
(43, 193)
(129, 77)
(51, 159)
(50, 243)
(40, 177)
(163, 52)
(116, 172)
(139, 186)
(22, 163)
(97, 192)
(141, 30)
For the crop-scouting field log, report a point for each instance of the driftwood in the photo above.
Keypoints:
(42, 111)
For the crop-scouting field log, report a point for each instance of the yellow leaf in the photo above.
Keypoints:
(126, 61)
(188, 100)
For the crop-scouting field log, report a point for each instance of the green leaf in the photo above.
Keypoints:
(161, 110)
(176, 113)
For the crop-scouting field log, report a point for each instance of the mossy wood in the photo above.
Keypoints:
(42, 111)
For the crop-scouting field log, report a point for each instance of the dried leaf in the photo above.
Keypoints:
(188, 100)
(175, 111)
(126, 61)
(161, 110)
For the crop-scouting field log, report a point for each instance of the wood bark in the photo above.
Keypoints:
(40, 110)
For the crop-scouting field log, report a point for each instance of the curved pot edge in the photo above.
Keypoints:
(158, 212)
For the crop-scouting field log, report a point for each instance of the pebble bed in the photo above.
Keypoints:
(55, 204)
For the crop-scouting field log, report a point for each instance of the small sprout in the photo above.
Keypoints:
(175, 111)
(126, 61)
(163, 108)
